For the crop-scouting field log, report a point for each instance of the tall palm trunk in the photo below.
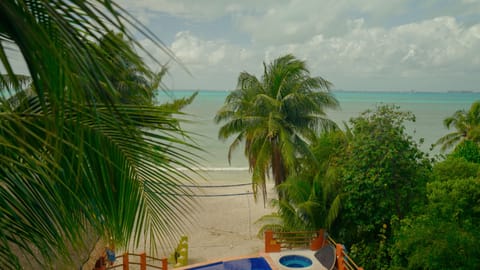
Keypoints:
(279, 172)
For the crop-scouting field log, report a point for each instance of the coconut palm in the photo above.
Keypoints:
(73, 160)
(312, 197)
(467, 125)
(135, 84)
(275, 117)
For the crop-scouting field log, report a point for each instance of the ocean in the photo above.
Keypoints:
(430, 109)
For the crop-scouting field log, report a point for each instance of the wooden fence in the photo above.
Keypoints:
(278, 241)
(132, 261)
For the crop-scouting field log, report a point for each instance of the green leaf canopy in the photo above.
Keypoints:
(72, 159)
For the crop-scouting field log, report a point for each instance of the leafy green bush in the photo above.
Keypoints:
(445, 235)
(468, 150)
(384, 177)
(455, 168)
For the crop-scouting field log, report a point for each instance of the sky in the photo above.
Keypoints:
(375, 45)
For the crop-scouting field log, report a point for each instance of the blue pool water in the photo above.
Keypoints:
(295, 261)
(242, 264)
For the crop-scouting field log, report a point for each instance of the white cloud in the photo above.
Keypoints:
(294, 20)
(193, 51)
(212, 64)
(438, 47)
(357, 45)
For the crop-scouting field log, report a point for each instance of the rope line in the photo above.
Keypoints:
(214, 186)
(222, 195)
(210, 195)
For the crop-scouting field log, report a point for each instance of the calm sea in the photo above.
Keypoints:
(430, 108)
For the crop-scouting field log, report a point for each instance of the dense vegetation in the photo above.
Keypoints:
(372, 187)
(401, 209)
(392, 205)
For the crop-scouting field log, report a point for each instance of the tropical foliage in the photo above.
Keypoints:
(380, 195)
(400, 212)
(453, 168)
(382, 177)
(312, 200)
(133, 81)
(443, 232)
(275, 117)
(73, 159)
(469, 150)
(467, 125)
(445, 235)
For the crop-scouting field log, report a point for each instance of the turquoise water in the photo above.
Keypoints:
(295, 261)
(430, 109)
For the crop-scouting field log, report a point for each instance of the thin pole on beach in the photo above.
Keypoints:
(249, 217)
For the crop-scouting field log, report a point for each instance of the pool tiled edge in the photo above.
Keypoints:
(272, 259)
(275, 257)
(265, 256)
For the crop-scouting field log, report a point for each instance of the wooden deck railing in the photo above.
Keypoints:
(277, 241)
(344, 262)
(140, 261)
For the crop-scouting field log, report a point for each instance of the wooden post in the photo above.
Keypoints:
(164, 264)
(340, 259)
(143, 261)
(125, 261)
(271, 244)
(318, 242)
(100, 264)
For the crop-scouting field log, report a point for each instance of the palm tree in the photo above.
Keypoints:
(312, 197)
(134, 83)
(275, 117)
(467, 125)
(73, 161)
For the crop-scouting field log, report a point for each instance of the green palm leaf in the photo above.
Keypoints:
(74, 161)
(276, 116)
(466, 124)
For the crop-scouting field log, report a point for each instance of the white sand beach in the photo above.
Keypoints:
(225, 224)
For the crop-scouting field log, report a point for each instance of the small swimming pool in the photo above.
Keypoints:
(257, 263)
(295, 261)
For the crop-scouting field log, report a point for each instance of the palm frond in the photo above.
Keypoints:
(72, 157)
(465, 122)
(277, 115)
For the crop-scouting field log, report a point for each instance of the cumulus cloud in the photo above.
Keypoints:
(193, 51)
(357, 45)
(437, 47)
(203, 64)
